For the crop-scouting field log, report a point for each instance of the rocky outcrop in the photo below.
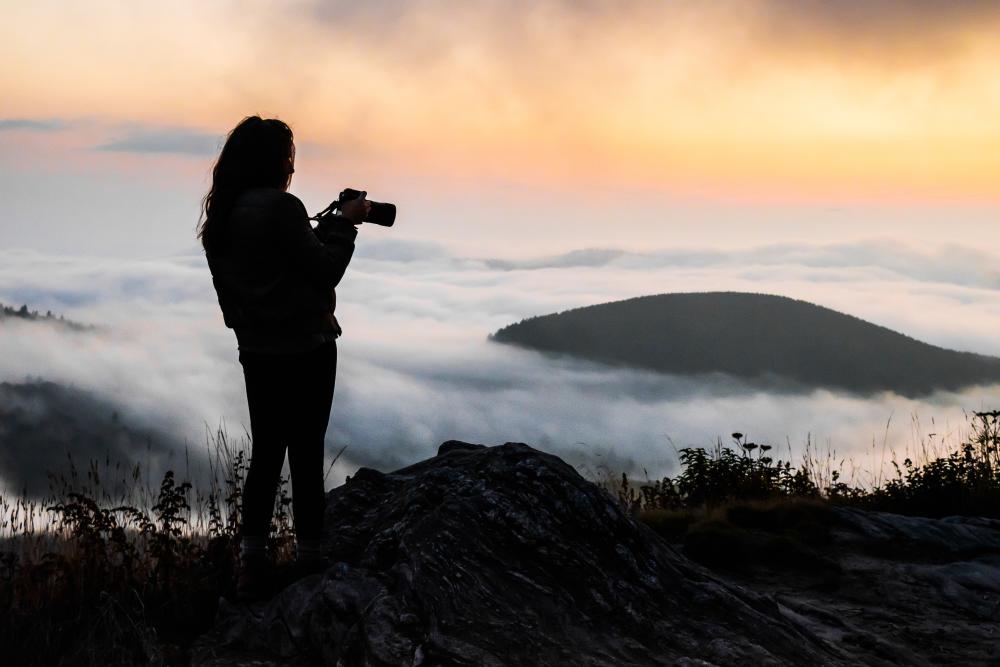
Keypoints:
(506, 556)
(503, 556)
(884, 589)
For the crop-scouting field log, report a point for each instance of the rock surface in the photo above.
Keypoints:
(502, 556)
(885, 589)
(506, 556)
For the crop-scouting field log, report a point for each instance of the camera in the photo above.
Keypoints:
(379, 213)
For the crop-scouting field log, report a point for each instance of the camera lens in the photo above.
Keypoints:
(382, 214)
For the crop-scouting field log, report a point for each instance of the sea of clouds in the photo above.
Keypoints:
(416, 367)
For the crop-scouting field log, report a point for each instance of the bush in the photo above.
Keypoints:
(126, 577)
(723, 475)
(964, 482)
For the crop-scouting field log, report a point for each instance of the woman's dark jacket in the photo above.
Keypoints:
(275, 275)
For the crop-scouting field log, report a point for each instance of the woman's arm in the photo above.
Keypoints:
(324, 262)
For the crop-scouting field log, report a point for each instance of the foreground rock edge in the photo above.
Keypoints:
(506, 555)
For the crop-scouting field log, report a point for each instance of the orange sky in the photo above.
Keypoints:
(773, 99)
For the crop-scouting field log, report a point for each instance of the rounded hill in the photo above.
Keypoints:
(753, 337)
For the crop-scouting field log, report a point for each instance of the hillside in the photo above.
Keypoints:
(754, 337)
(41, 422)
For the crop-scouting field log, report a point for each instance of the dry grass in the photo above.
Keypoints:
(109, 570)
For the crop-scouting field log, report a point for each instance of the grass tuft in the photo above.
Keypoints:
(108, 571)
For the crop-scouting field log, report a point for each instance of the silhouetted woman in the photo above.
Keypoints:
(275, 278)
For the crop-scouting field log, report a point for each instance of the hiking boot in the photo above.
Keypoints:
(255, 579)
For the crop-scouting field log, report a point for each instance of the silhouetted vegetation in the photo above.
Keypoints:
(755, 337)
(108, 571)
(963, 482)
(48, 316)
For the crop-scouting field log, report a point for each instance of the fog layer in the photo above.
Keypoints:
(416, 367)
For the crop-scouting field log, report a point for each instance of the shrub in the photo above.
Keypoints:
(965, 481)
(109, 572)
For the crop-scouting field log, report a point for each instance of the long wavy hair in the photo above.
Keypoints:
(255, 154)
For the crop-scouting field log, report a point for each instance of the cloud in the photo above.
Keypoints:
(33, 124)
(575, 92)
(953, 264)
(132, 137)
(887, 34)
(416, 368)
(401, 250)
(883, 16)
(865, 26)
(592, 257)
(167, 140)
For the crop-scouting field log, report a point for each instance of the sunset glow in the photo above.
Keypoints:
(769, 99)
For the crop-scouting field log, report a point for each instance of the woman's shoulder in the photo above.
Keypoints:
(271, 198)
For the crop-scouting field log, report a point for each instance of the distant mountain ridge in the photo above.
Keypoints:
(753, 337)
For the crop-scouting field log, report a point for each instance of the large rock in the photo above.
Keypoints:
(884, 589)
(502, 556)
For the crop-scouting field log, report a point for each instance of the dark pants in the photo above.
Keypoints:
(289, 397)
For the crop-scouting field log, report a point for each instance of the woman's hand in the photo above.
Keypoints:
(356, 210)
